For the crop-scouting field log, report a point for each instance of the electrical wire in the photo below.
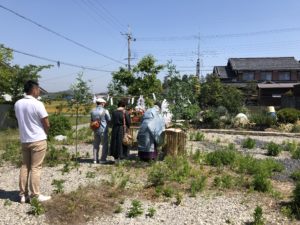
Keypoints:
(59, 35)
(233, 35)
(58, 61)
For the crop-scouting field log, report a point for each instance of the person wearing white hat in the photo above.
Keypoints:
(100, 134)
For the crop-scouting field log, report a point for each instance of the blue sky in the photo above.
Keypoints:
(167, 29)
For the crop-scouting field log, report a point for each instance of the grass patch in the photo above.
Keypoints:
(249, 143)
(81, 205)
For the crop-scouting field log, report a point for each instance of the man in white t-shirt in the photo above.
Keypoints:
(33, 127)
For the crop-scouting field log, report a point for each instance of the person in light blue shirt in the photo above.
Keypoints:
(101, 134)
(150, 134)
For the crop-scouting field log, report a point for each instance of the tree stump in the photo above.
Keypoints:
(175, 141)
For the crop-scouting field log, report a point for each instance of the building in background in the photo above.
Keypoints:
(271, 76)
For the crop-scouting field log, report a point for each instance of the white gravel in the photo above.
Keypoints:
(210, 207)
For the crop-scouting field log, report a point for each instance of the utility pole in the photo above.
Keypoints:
(198, 60)
(129, 39)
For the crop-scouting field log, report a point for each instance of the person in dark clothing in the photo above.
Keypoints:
(117, 149)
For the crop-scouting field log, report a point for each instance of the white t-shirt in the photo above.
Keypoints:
(29, 112)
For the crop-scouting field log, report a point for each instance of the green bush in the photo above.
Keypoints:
(12, 153)
(249, 165)
(290, 146)
(296, 175)
(197, 185)
(136, 209)
(262, 120)
(179, 168)
(296, 153)
(273, 149)
(258, 216)
(288, 115)
(261, 183)
(211, 118)
(296, 129)
(59, 124)
(221, 157)
(249, 143)
(158, 174)
(199, 136)
(296, 193)
(190, 112)
(56, 156)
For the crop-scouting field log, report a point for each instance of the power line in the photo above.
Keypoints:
(95, 9)
(59, 35)
(193, 37)
(58, 62)
(113, 17)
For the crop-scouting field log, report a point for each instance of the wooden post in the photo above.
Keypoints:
(175, 141)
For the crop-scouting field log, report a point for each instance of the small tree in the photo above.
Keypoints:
(182, 92)
(81, 101)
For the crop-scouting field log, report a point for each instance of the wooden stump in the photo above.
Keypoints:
(175, 141)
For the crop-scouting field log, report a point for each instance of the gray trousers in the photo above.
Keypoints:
(100, 139)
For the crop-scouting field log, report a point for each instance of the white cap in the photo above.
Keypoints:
(100, 100)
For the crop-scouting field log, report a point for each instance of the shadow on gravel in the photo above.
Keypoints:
(11, 195)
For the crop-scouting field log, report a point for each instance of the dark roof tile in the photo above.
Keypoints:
(271, 63)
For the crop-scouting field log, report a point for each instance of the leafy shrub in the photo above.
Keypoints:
(59, 124)
(199, 136)
(262, 120)
(59, 185)
(249, 143)
(258, 216)
(136, 209)
(179, 168)
(56, 156)
(296, 194)
(249, 165)
(225, 181)
(290, 146)
(273, 149)
(12, 153)
(288, 115)
(221, 157)
(296, 129)
(151, 212)
(261, 183)
(157, 174)
(168, 192)
(190, 112)
(197, 185)
(36, 207)
(296, 153)
(296, 175)
(212, 118)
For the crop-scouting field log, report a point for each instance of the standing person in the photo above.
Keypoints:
(117, 149)
(149, 135)
(33, 127)
(101, 134)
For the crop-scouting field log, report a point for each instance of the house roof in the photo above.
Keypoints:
(271, 63)
(222, 71)
(277, 85)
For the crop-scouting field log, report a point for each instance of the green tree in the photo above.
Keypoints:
(182, 93)
(211, 92)
(81, 101)
(232, 99)
(142, 80)
(214, 94)
(13, 77)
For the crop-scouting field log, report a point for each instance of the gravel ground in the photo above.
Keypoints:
(210, 207)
